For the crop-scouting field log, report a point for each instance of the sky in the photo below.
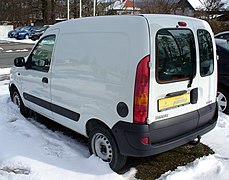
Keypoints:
(195, 3)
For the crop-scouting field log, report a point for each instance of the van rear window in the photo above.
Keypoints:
(175, 55)
(206, 53)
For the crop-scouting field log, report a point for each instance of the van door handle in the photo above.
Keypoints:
(176, 93)
(45, 80)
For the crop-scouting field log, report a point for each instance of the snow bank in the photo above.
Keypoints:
(28, 41)
(206, 168)
(4, 71)
(212, 167)
(31, 151)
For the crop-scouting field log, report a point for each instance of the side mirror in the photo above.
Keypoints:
(19, 62)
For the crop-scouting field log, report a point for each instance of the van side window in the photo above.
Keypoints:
(206, 53)
(175, 55)
(40, 58)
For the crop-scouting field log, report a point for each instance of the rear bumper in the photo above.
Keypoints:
(164, 135)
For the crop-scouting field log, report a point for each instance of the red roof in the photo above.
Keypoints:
(129, 4)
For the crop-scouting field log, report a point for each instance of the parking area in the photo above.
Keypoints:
(10, 50)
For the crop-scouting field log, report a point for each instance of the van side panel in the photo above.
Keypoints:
(94, 69)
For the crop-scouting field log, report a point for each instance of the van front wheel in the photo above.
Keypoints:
(103, 145)
(16, 98)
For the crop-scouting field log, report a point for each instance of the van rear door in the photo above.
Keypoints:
(182, 76)
(175, 91)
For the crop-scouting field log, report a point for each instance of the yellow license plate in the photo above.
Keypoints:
(172, 102)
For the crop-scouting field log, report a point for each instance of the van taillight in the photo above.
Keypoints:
(141, 91)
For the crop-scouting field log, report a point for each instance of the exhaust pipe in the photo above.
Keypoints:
(195, 141)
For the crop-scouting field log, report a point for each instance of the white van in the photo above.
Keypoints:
(136, 85)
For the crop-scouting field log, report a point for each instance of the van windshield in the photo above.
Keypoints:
(175, 55)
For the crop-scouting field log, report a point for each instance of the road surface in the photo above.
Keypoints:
(10, 50)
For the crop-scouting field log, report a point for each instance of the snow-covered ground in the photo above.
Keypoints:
(28, 41)
(211, 167)
(29, 150)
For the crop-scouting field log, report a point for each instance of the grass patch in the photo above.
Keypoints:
(153, 167)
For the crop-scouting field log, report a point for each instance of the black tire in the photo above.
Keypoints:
(223, 100)
(16, 98)
(103, 145)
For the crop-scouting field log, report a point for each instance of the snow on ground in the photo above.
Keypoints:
(28, 41)
(5, 41)
(18, 50)
(4, 71)
(212, 167)
(29, 150)
(22, 50)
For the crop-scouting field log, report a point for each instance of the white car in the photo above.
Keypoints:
(222, 35)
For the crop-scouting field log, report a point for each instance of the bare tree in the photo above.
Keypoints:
(53, 12)
(75, 8)
(212, 5)
(44, 10)
(29, 11)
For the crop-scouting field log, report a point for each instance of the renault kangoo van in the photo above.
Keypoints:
(135, 85)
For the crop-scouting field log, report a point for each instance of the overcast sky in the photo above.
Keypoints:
(195, 3)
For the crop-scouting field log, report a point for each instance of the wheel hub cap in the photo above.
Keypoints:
(102, 147)
(222, 101)
(16, 100)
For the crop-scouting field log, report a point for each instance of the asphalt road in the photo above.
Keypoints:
(9, 51)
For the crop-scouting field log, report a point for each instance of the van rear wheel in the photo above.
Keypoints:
(103, 145)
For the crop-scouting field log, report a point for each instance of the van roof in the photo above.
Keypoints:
(155, 17)
(169, 16)
(158, 20)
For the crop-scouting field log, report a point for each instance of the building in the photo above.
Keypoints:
(181, 7)
(184, 8)
(125, 7)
